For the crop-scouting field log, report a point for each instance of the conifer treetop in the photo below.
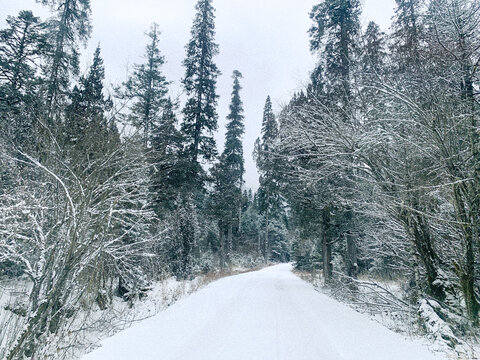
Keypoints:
(200, 114)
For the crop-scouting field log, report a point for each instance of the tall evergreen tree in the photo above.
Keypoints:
(154, 114)
(86, 129)
(374, 52)
(407, 31)
(233, 153)
(200, 114)
(267, 164)
(70, 25)
(334, 35)
(373, 67)
(148, 87)
(269, 130)
(22, 43)
(166, 161)
(228, 173)
(88, 97)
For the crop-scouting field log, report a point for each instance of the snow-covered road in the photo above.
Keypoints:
(266, 315)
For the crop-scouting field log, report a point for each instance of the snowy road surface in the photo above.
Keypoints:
(265, 315)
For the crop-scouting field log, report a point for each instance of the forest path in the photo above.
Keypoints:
(269, 314)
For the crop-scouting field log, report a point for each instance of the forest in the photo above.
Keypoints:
(370, 173)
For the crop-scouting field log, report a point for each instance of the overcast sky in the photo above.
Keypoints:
(264, 39)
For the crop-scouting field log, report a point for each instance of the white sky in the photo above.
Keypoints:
(264, 39)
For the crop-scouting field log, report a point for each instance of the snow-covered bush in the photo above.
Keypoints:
(75, 236)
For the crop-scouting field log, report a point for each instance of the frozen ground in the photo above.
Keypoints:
(268, 314)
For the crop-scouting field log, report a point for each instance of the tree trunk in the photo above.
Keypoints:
(267, 247)
(468, 276)
(352, 266)
(419, 232)
(222, 247)
(466, 273)
(326, 247)
(240, 218)
(230, 239)
(416, 274)
(468, 284)
(259, 244)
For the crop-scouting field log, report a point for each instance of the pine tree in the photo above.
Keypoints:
(200, 115)
(334, 35)
(154, 114)
(86, 129)
(269, 129)
(407, 31)
(22, 43)
(267, 164)
(316, 87)
(166, 160)
(374, 52)
(373, 67)
(148, 87)
(70, 25)
(88, 96)
(233, 152)
(228, 173)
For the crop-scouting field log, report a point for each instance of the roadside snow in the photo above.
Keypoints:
(121, 315)
(268, 314)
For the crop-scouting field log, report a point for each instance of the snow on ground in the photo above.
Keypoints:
(96, 324)
(121, 315)
(267, 314)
